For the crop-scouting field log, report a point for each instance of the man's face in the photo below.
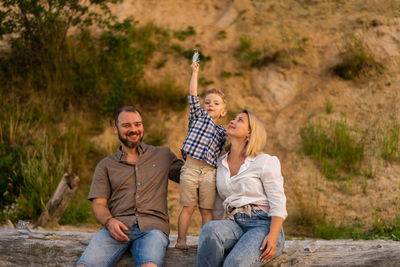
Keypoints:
(129, 128)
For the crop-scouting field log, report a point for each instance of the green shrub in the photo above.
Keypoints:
(254, 58)
(221, 35)
(356, 59)
(79, 210)
(42, 170)
(380, 229)
(391, 144)
(335, 149)
(182, 35)
(160, 63)
(225, 74)
(18, 127)
(204, 82)
(188, 54)
(165, 94)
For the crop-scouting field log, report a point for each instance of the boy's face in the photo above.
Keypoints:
(215, 106)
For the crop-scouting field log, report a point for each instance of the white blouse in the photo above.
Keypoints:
(258, 181)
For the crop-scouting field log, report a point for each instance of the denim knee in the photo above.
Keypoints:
(103, 250)
(209, 230)
(150, 247)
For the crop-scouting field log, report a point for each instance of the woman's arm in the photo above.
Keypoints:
(270, 241)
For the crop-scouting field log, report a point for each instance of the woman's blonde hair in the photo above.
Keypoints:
(258, 135)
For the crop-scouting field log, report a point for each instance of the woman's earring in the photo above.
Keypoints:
(247, 139)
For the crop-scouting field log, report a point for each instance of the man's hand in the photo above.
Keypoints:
(116, 229)
(269, 247)
(103, 216)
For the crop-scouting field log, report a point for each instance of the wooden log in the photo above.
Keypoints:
(50, 248)
(58, 201)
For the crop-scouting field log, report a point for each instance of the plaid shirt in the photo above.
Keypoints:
(204, 140)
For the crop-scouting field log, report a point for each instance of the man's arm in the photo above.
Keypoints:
(193, 80)
(103, 216)
(175, 168)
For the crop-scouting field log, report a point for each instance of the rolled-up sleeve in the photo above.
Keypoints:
(272, 181)
(194, 107)
(175, 168)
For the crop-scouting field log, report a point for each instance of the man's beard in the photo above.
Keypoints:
(127, 143)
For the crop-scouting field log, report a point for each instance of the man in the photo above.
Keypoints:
(129, 191)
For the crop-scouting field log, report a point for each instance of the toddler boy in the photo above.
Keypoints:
(201, 148)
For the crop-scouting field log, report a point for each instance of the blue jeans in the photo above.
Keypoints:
(104, 250)
(239, 240)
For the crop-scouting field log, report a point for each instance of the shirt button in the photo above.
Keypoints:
(138, 183)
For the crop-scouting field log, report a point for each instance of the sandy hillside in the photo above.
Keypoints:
(294, 88)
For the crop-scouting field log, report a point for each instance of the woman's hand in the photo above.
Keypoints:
(269, 247)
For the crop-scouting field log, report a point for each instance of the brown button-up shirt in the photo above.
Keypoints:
(137, 191)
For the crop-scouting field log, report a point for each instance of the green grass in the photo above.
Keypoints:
(309, 220)
(160, 63)
(182, 35)
(336, 149)
(221, 35)
(254, 58)
(79, 210)
(356, 59)
(42, 170)
(164, 94)
(328, 107)
(204, 82)
(391, 144)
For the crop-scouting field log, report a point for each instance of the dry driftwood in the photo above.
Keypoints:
(50, 248)
(58, 201)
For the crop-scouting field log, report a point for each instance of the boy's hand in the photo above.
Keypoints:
(195, 67)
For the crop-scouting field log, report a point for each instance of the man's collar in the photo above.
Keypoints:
(141, 148)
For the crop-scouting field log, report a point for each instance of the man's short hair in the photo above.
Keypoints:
(124, 109)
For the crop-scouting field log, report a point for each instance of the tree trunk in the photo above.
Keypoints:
(59, 201)
(57, 248)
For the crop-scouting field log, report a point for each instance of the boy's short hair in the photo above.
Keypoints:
(216, 91)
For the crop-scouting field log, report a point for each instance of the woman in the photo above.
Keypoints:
(250, 184)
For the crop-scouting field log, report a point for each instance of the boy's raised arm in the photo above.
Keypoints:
(193, 80)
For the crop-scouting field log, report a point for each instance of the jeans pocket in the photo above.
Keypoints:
(262, 215)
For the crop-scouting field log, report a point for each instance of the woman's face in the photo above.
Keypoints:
(239, 127)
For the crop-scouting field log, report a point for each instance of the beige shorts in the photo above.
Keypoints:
(197, 185)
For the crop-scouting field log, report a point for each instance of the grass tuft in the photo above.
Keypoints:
(356, 59)
(335, 148)
(391, 144)
(182, 35)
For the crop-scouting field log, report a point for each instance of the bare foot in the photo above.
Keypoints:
(181, 245)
